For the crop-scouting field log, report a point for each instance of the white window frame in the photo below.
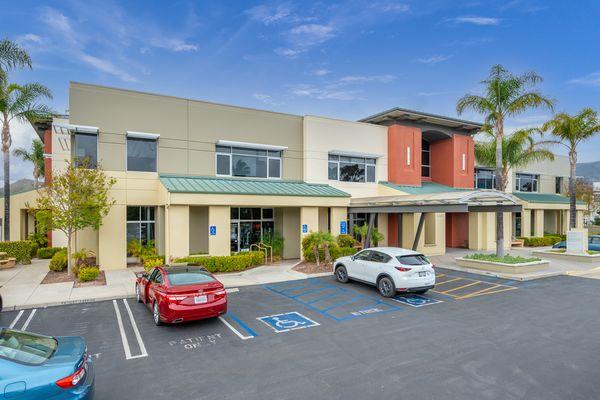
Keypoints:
(86, 132)
(140, 135)
(353, 155)
(536, 179)
(231, 153)
(477, 177)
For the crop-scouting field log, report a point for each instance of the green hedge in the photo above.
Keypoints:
(334, 251)
(20, 250)
(507, 259)
(237, 262)
(156, 261)
(87, 274)
(540, 241)
(59, 261)
(48, 252)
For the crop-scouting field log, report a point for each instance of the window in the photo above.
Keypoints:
(85, 150)
(558, 184)
(527, 183)
(417, 259)
(351, 169)
(188, 276)
(363, 255)
(250, 226)
(25, 347)
(141, 154)
(251, 163)
(425, 159)
(378, 257)
(485, 178)
(140, 225)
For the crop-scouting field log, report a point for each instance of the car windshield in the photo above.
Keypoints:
(188, 276)
(25, 347)
(413, 259)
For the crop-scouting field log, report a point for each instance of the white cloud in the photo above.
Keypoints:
(433, 59)
(325, 93)
(485, 21)
(265, 98)
(268, 15)
(371, 78)
(29, 38)
(59, 23)
(173, 44)
(431, 94)
(391, 7)
(22, 134)
(592, 79)
(320, 72)
(311, 34)
(106, 66)
(290, 53)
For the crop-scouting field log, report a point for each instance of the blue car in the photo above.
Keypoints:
(34, 366)
(593, 243)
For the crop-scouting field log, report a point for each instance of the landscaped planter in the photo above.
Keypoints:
(7, 263)
(521, 268)
(589, 258)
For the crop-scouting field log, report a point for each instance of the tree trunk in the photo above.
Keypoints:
(69, 237)
(6, 156)
(316, 252)
(326, 253)
(573, 189)
(500, 187)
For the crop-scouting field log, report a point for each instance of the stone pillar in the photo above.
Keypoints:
(309, 222)
(539, 223)
(410, 224)
(112, 239)
(219, 220)
(566, 217)
(476, 231)
(338, 214)
(526, 222)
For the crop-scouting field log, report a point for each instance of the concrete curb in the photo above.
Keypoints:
(64, 303)
(512, 277)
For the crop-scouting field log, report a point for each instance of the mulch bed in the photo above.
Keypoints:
(312, 268)
(58, 277)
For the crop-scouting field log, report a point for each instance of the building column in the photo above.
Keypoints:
(219, 226)
(579, 219)
(309, 222)
(338, 214)
(410, 224)
(538, 229)
(526, 222)
(565, 221)
(177, 227)
(112, 239)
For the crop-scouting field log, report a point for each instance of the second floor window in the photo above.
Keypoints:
(351, 169)
(527, 183)
(485, 178)
(85, 150)
(246, 162)
(141, 154)
(558, 185)
(425, 159)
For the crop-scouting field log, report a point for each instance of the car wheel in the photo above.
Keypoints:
(386, 287)
(156, 314)
(137, 293)
(341, 274)
(421, 291)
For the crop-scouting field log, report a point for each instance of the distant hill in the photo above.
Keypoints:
(589, 170)
(22, 185)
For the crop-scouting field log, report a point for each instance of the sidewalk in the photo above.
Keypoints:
(21, 286)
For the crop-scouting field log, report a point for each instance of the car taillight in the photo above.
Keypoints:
(173, 297)
(219, 292)
(71, 380)
(403, 269)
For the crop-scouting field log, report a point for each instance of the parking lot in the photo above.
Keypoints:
(470, 338)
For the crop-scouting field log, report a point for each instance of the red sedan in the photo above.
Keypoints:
(178, 294)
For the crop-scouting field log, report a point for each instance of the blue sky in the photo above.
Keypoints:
(342, 59)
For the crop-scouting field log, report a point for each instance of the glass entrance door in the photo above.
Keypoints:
(234, 233)
(250, 226)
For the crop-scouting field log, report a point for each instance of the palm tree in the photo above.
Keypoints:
(34, 156)
(18, 103)
(505, 95)
(518, 150)
(11, 56)
(569, 131)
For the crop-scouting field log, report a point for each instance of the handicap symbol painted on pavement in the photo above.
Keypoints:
(288, 321)
(414, 300)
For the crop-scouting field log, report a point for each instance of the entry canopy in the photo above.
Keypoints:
(67, 129)
(456, 201)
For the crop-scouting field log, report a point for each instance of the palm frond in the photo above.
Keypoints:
(13, 56)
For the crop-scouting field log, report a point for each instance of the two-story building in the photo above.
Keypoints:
(199, 177)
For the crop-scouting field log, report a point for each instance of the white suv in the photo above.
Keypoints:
(391, 269)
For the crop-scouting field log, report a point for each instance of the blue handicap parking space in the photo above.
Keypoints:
(332, 301)
(288, 321)
(415, 300)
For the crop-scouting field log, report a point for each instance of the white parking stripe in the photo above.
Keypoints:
(26, 324)
(123, 336)
(227, 324)
(136, 331)
(12, 325)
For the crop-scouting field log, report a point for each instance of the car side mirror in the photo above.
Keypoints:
(352, 258)
(142, 274)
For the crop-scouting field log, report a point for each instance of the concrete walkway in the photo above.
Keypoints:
(557, 267)
(21, 286)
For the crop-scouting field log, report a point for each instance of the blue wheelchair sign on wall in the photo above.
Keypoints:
(288, 321)
(213, 230)
(304, 228)
(415, 300)
(343, 227)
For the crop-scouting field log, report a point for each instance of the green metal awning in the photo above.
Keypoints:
(543, 198)
(261, 187)
(425, 188)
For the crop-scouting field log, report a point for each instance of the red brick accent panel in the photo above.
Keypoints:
(457, 230)
(404, 155)
(453, 161)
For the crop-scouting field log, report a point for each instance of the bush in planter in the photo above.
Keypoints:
(21, 250)
(86, 274)
(59, 261)
(540, 241)
(150, 263)
(236, 262)
(334, 251)
(48, 252)
(346, 241)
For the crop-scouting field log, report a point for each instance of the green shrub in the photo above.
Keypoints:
(507, 259)
(541, 241)
(59, 261)
(86, 274)
(346, 241)
(48, 252)
(21, 250)
(334, 251)
(236, 262)
(276, 242)
(156, 261)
